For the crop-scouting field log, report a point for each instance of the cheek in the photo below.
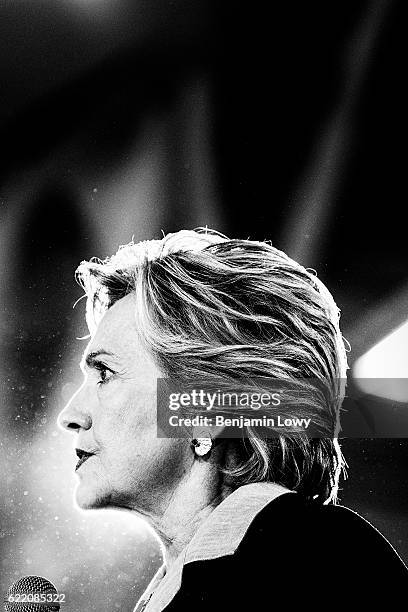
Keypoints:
(125, 420)
(153, 470)
(125, 431)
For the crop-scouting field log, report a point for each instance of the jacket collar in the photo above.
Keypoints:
(219, 536)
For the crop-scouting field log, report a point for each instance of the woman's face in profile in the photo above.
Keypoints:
(114, 416)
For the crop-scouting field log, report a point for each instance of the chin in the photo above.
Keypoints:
(88, 498)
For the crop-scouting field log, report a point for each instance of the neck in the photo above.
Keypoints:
(187, 507)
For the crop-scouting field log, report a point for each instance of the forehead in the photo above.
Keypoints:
(116, 331)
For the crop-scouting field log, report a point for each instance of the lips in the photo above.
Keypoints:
(83, 456)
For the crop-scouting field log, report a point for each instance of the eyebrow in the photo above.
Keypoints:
(92, 358)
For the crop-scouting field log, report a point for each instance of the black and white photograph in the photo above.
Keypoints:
(204, 306)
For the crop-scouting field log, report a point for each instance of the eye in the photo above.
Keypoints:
(104, 374)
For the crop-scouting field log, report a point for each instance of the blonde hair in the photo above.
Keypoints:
(210, 306)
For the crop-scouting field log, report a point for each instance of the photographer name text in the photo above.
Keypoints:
(239, 422)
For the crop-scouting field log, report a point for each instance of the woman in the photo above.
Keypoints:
(245, 521)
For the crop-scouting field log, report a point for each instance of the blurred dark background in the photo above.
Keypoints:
(120, 119)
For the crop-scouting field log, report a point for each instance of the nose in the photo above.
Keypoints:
(73, 417)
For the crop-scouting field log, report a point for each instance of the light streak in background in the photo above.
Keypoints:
(305, 231)
(102, 9)
(383, 370)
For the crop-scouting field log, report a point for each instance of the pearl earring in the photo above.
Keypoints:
(202, 446)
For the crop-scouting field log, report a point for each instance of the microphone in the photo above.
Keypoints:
(32, 594)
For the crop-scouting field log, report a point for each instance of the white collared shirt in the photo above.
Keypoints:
(218, 536)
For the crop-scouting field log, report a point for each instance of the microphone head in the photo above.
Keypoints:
(32, 594)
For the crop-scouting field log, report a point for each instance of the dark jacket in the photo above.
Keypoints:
(298, 552)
